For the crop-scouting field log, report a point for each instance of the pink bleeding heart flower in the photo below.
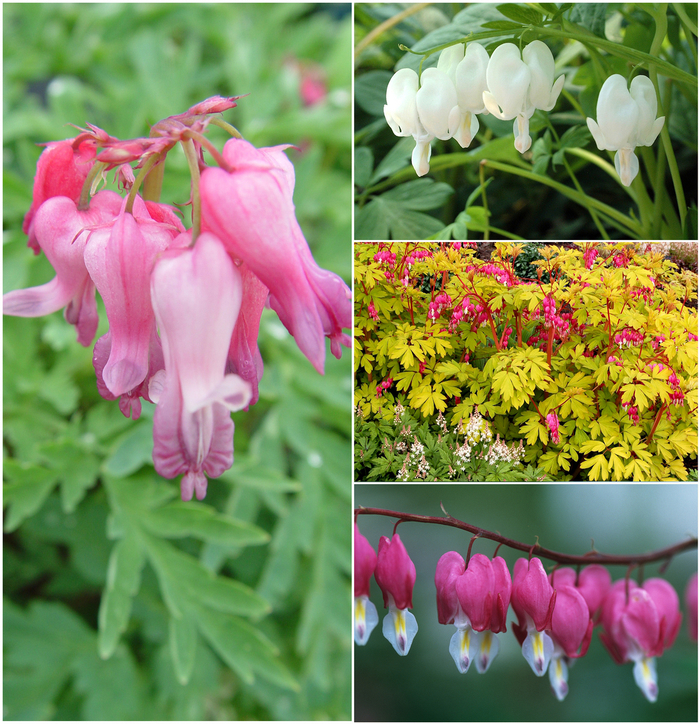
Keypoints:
(592, 582)
(396, 575)
(571, 632)
(533, 601)
(476, 600)
(251, 210)
(638, 624)
(196, 296)
(366, 617)
(120, 258)
(60, 171)
(58, 228)
(691, 606)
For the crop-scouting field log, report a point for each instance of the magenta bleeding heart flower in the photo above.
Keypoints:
(396, 575)
(366, 617)
(639, 623)
(476, 600)
(533, 599)
(183, 307)
(250, 208)
(592, 582)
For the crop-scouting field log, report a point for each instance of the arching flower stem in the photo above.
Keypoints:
(536, 549)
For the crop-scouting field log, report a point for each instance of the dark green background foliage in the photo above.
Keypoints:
(393, 203)
(617, 519)
(246, 595)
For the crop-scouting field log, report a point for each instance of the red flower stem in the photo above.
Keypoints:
(537, 549)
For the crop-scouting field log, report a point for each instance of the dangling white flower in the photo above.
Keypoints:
(401, 114)
(470, 82)
(626, 119)
(438, 108)
(518, 86)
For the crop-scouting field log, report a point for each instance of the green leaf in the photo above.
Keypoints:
(420, 195)
(134, 450)
(28, 489)
(405, 223)
(371, 221)
(76, 467)
(520, 14)
(370, 91)
(123, 582)
(183, 646)
(244, 648)
(364, 161)
(503, 25)
(591, 16)
(180, 519)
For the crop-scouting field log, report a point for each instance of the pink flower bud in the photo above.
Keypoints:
(449, 568)
(395, 573)
(571, 622)
(532, 596)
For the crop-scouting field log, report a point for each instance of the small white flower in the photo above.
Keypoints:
(626, 119)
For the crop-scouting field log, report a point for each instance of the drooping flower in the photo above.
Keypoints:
(396, 575)
(553, 425)
(366, 617)
(251, 210)
(196, 296)
(571, 631)
(476, 600)
(626, 119)
(119, 258)
(638, 624)
(518, 86)
(401, 113)
(533, 600)
(59, 230)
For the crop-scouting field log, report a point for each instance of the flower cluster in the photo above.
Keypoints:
(444, 102)
(183, 306)
(629, 338)
(382, 387)
(556, 614)
(438, 305)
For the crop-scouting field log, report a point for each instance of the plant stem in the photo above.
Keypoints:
(143, 172)
(386, 25)
(221, 123)
(86, 192)
(664, 554)
(570, 193)
(484, 199)
(193, 163)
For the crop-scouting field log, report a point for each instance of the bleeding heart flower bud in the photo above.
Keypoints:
(396, 575)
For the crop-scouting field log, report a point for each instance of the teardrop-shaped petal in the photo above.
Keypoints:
(449, 60)
(400, 628)
(400, 109)
(537, 650)
(436, 100)
(645, 678)
(508, 80)
(617, 114)
(540, 61)
(626, 165)
(463, 648)
(420, 158)
(470, 79)
(644, 94)
(559, 677)
(487, 650)
(366, 618)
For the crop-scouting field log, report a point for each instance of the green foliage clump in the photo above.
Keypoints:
(602, 384)
(412, 449)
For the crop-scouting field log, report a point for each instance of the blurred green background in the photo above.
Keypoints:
(78, 475)
(621, 519)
